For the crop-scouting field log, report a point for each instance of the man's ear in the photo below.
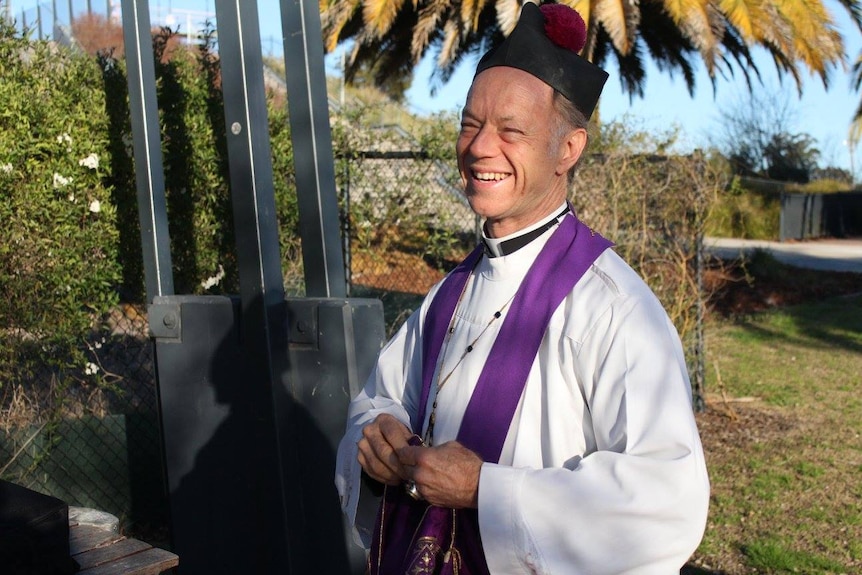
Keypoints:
(572, 148)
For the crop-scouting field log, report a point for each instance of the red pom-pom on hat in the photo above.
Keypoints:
(564, 26)
(545, 43)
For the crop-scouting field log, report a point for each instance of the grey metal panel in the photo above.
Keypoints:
(222, 452)
(807, 216)
(149, 171)
(333, 347)
(312, 150)
(226, 454)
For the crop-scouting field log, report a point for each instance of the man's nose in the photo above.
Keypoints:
(484, 143)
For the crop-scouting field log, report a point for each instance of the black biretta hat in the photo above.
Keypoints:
(545, 43)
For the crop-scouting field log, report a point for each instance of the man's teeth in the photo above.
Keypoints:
(490, 176)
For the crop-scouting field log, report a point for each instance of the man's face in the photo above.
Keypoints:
(510, 153)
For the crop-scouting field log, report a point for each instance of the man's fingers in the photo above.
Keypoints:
(395, 432)
(377, 454)
(377, 450)
(409, 455)
(377, 470)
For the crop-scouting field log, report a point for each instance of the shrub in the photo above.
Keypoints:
(58, 241)
(654, 207)
(822, 186)
(70, 247)
(743, 211)
(196, 170)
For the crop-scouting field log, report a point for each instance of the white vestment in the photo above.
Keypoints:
(602, 470)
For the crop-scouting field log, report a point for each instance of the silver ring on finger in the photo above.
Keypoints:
(412, 490)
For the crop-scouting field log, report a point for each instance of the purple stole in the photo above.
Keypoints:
(417, 538)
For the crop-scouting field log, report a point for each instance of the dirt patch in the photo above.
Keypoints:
(394, 270)
(740, 288)
(729, 423)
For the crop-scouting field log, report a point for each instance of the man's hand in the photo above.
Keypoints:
(377, 449)
(446, 475)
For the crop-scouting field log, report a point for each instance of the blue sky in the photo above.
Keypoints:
(825, 115)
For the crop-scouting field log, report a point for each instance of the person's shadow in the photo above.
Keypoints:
(250, 473)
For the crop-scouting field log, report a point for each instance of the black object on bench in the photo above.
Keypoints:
(34, 533)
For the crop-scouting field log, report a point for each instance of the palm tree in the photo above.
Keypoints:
(389, 37)
(855, 133)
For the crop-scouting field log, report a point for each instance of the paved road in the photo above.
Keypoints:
(836, 255)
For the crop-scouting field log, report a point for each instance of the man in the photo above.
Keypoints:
(539, 396)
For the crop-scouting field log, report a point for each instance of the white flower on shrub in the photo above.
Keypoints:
(91, 161)
(214, 280)
(91, 369)
(6, 168)
(67, 139)
(71, 198)
(95, 206)
(60, 181)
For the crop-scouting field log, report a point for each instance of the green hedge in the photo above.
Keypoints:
(70, 243)
(58, 238)
(745, 211)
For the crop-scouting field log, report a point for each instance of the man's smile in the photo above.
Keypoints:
(490, 176)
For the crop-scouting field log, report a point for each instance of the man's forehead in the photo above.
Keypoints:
(503, 82)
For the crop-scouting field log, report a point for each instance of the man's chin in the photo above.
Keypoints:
(483, 205)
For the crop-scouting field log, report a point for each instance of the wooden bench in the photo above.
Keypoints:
(103, 552)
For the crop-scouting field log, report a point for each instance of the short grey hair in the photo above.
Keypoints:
(569, 118)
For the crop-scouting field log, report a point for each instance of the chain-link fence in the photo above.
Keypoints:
(407, 224)
(89, 437)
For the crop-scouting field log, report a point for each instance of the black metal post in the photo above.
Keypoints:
(149, 171)
(249, 153)
(315, 170)
(263, 325)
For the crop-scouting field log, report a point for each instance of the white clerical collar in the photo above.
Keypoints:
(506, 245)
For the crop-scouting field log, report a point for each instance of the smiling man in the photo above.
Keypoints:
(534, 414)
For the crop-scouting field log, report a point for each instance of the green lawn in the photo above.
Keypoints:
(783, 438)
